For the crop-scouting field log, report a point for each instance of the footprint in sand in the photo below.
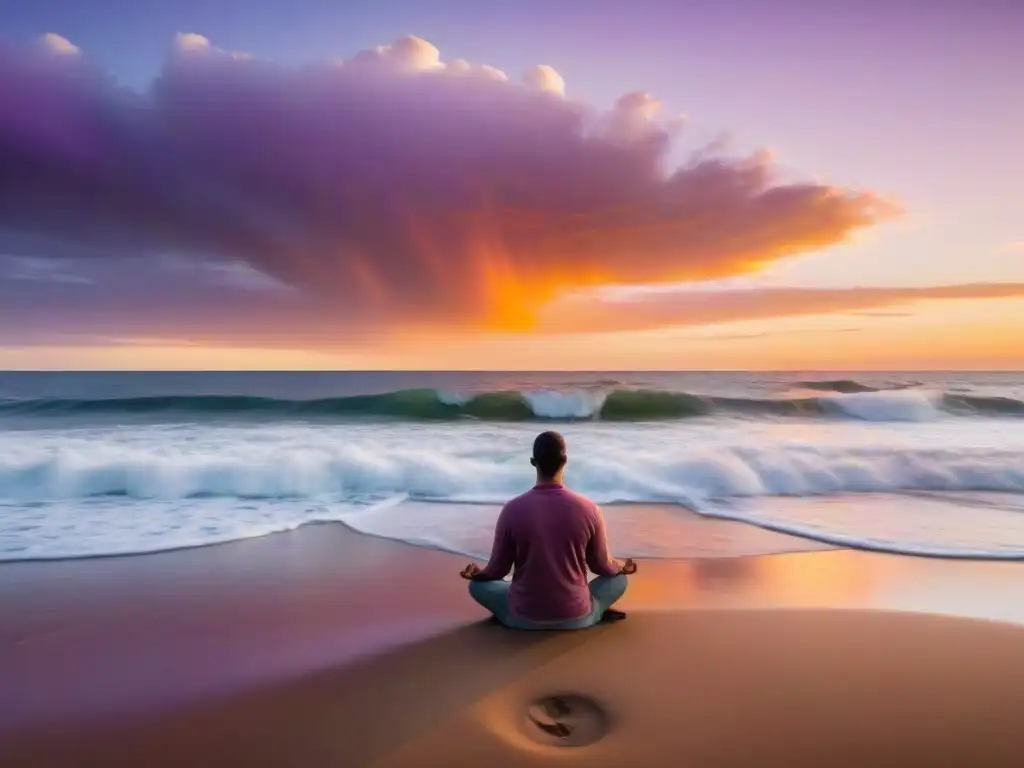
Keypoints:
(566, 720)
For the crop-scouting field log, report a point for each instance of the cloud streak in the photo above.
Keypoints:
(669, 309)
(389, 189)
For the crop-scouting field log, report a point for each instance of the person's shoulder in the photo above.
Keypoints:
(579, 500)
(519, 502)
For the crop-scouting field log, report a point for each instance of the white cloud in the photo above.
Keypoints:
(192, 44)
(58, 45)
(544, 78)
(189, 42)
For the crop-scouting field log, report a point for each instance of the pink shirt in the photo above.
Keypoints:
(551, 535)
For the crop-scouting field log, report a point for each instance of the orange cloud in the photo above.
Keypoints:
(693, 307)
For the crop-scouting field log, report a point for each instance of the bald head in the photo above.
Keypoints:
(549, 454)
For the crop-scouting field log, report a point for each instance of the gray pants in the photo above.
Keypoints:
(604, 592)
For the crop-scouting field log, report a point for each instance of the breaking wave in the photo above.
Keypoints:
(324, 468)
(839, 399)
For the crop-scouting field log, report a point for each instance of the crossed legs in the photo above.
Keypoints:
(605, 591)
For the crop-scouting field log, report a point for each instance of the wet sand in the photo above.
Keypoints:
(325, 647)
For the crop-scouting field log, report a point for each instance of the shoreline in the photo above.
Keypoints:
(715, 537)
(762, 537)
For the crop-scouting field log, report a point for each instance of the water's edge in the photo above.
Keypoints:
(831, 542)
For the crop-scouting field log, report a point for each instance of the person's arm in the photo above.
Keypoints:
(502, 552)
(599, 559)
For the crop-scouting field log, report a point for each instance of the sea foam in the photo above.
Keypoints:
(68, 491)
(354, 465)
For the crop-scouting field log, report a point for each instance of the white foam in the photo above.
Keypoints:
(105, 526)
(565, 404)
(312, 463)
(901, 405)
(141, 488)
(454, 398)
(948, 526)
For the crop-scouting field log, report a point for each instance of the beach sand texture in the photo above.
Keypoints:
(323, 647)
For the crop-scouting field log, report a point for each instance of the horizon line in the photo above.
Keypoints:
(510, 370)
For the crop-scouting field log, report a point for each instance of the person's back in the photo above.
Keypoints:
(554, 535)
(550, 536)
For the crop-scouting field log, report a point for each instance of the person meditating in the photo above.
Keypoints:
(551, 536)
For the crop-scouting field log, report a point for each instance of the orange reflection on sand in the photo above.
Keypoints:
(686, 582)
(819, 578)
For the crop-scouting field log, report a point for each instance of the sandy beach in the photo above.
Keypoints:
(326, 647)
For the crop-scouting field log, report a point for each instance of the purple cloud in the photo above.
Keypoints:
(387, 189)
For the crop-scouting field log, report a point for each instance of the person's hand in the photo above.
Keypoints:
(628, 567)
(470, 572)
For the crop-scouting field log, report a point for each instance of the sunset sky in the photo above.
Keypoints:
(739, 184)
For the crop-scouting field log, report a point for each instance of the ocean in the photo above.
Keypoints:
(95, 464)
